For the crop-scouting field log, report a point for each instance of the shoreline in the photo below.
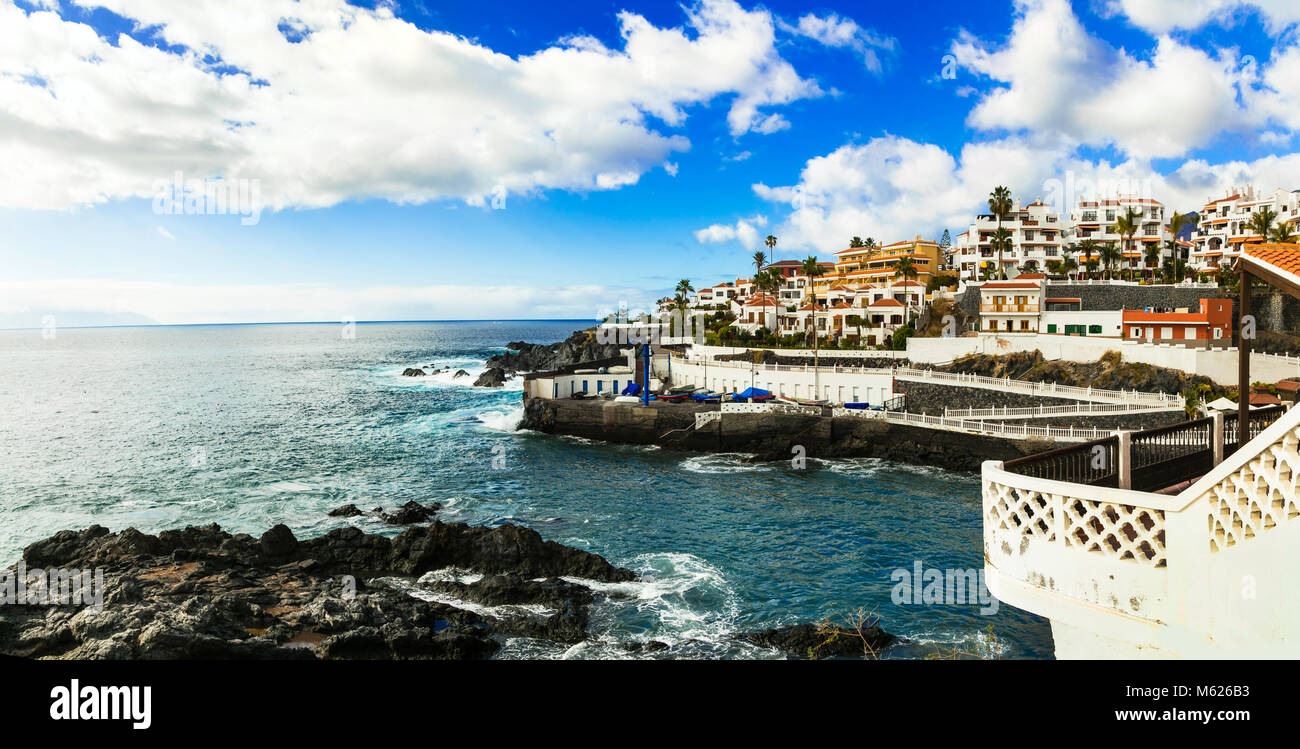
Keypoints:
(441, 591)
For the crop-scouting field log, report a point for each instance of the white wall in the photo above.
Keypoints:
(710, 352)
(1109, 320)
(841, 387)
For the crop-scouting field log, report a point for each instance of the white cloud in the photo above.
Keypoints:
(27, 302)
(1058, 78)
(363, 105)
(839, 32)
(745, 231)
(893, 188)
(165, 234)
(671, 168)
(1164, 16)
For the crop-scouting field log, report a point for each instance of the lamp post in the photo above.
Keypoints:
(645, 390)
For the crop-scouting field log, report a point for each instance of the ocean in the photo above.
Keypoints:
(252, 425)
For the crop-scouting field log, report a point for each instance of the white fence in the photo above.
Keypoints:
(1075, 409)
(992, 429)
(969, 380)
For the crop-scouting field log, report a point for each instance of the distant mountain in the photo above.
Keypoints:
(71, 319)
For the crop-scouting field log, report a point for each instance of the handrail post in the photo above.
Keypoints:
(1216, 437)
(1124, 457)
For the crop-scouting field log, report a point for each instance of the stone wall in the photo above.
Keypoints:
(1106, 297)
(932, 398)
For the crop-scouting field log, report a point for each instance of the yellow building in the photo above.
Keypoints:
(859, 267)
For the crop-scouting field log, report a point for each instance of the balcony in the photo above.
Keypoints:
(1137, 545)
(1030, 309)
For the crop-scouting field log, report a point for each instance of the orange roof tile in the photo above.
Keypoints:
(1284, 257)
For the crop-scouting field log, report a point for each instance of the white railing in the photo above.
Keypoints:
(1074, 409)
(705, 417)
(989, 428)
(1048, 389)
(1138, 575)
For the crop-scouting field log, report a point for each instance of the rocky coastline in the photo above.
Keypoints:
(445, 591)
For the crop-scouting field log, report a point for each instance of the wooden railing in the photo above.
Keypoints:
(1093, 463)
(1149, 460)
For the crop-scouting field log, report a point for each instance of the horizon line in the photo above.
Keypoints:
(307, 322)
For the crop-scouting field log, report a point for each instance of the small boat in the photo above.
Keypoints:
(672, 397)
(682, 389)
(858, 406)
(706, 397)
(627, 399)
(802, 402)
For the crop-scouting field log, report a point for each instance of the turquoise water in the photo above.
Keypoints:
(252, 425)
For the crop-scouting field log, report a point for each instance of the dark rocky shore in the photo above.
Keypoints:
(203, 593)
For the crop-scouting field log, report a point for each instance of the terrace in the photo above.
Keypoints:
(1174, 542)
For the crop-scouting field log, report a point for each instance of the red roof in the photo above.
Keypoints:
(886, 303)
(1010, 285)
(1264, 399)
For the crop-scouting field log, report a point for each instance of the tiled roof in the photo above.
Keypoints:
(1282, 257)
(1264, 399)
(886, 303)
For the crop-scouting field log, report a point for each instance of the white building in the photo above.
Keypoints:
(1035, 233)
(1095, 220)
(1012, 307)
(1224, 224)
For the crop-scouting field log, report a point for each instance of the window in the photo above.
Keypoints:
(1024, 325)
(1094, 329)
(584, 386)
(1051, 327)
(1135, 332)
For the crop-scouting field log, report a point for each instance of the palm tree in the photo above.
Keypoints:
(1282, 234)
(1000, 205)
(1001, 241)
(1110, 255)
(768, 282)
(1151, 255)
(1177, 223)
(869, 243)
(906, 270)
(771, 247)
(1125, 226)
(1261, 222)
(1069, 265)
(812, 269)
(855, 243)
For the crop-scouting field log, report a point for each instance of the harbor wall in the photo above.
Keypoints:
(772, 436)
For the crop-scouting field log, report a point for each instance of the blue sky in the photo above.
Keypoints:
(633, 143)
